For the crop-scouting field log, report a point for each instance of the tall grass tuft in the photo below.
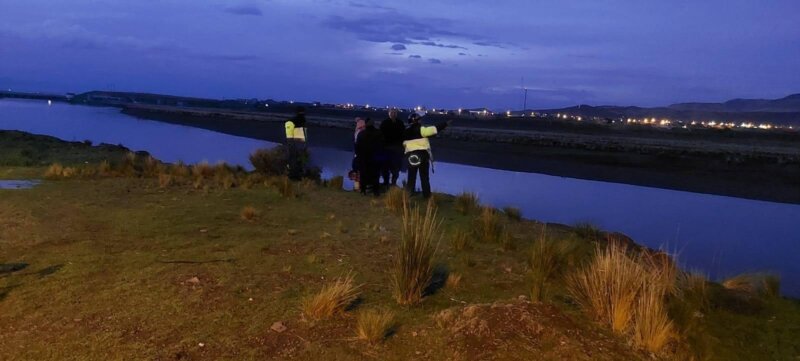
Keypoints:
(629, 293)
(453, 281)
(652, 328)
(487, 226)
(104, 169)
(513, 213)
(54, 171)
(334, 298)
(396, 199)
(249, 213)
(150, 167)
(164, 180)
(548, 260)
(285, 187)
(413, 268)
(460, 240)
(466, 203)
(374, 325)
(202, 170)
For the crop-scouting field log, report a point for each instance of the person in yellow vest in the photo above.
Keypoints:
(296, 144)
(418, 153)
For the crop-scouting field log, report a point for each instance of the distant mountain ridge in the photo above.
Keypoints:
(779, 111)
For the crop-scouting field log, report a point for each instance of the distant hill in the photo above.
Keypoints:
(779, 111)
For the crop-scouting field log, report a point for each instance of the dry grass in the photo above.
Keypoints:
(513, 213)
(334, 298)
(104, 169)
(757, 284)
(396, 199)
(151, 167)
(628, 292)
(466, 203)
(285, 186)
(249, 213)
(453, 280)
(374, 325)
(487, 226)
(54, 171)
(652, 328)
(165, 180)
(413, 266)
(336, 182)
(460, 240)
(548, 259)
(202, 170)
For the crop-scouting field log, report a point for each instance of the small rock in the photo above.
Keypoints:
(278, 327)
(522, 298)
(414, 334)
(292, 232)
(194, 281)
(201, 344)
(203, 230)
(251, 299)
(326, 235)
(382, 229)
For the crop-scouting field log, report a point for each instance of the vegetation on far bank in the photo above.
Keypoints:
(122, 256)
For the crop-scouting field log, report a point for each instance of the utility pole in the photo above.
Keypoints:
(525, 98)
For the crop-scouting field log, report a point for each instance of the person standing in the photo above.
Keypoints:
(418, 153)
(369, 146)
(296, 144)
(354, 173)
(393, 130)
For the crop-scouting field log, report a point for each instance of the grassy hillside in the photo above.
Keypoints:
(134, 259)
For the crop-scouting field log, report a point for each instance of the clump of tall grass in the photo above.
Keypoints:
(336, 182)
(588, 231)
(466, 203)
(374, 325)
(151, 167)
(487, 226)
(128, 165)
(453, 281)
(56, 171)
(104, 169)
(180, 170)
(413, 268)
(627, 292)
(202, 170)
(756, 284)
(548, 260)
(249, 213)
(513, 213)
(165, 180)
(285, 187)
(332, 299)
(396, 199)
(460, 240)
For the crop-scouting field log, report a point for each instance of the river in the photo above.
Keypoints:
(720, 236)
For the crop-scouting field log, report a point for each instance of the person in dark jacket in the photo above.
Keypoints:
(418, 153)
(296, 143)
(393, 130)
(369, 146)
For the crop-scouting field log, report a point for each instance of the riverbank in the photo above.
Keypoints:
(120, 262)
(743, 166)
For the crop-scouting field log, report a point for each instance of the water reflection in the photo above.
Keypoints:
(18, 184)
(718, 235)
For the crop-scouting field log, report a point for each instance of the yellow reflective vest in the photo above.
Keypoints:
(294, 133)
(421, 143)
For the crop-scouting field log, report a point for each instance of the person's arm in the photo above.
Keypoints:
(431, 131)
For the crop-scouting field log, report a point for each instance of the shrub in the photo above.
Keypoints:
(460, 240)
(413, 268)
(334, 298)
(466, 203)
(336, 182)
(487, 226)
(274, 161)
(396, 199)
(374, 325)
(756, 284)
(513, 213)
(249, 213)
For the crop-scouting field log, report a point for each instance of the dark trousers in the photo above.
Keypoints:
(423, 168)
(394, 161)
(369, 171)
(296, 154)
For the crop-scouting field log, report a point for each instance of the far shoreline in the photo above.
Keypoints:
(678, 170)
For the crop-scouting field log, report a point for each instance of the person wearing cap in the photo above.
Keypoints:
(369, 146)
(296, 143)
(392, 129)
(418, 153)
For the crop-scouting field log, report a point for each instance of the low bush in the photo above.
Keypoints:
(334, 298)
(466, 203)
(374, 325)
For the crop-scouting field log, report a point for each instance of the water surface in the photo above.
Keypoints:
(719, 235)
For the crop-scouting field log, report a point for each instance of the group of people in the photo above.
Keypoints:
(382, 152)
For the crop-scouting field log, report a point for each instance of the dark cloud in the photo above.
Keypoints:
(398, 47)
(462, 54)
(448, 46)
(434, 61)
(415, 56)
(251, 10)
(370, 6)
